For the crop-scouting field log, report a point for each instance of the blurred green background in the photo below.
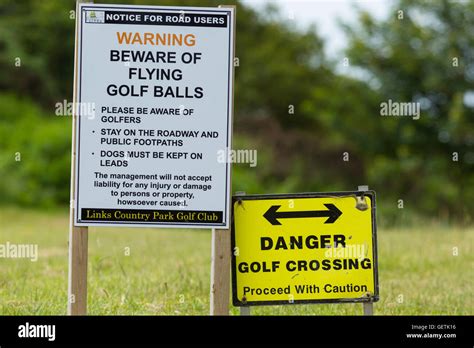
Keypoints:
(304, 112)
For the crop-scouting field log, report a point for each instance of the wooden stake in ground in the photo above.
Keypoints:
(220, 272)
(77, 282)
(78, 236)
(221, 247)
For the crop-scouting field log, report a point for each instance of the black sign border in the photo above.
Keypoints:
(370, 194)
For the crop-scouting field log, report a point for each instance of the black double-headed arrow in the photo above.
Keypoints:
(272, 214)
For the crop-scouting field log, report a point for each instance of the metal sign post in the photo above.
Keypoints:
(368, 306)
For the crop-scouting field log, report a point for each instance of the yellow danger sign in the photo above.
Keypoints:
(297, 248)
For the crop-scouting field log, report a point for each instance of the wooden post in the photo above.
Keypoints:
(220, 272)
(368, 306)
(78, 236)
(221, 246)
(77, 282)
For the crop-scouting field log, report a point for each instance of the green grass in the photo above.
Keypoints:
(167, 272)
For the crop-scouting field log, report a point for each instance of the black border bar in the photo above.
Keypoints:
(314, 330)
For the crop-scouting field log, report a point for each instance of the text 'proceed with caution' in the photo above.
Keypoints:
(302, 248)
(153, 105)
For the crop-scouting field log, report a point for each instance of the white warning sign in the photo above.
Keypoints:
(154, 109)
